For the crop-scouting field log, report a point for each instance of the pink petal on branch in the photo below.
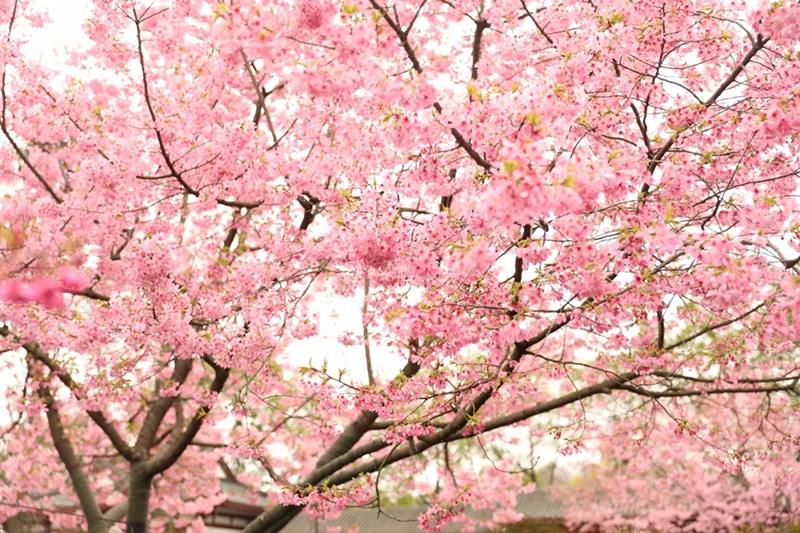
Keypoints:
(29, 291)
(51, 296)
(77, 259)
(9, 291)
(72, 279)
(44, 291)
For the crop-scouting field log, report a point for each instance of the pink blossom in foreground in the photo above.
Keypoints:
(72, 279)
(44, 291)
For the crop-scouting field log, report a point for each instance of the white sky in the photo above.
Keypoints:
(63, 32)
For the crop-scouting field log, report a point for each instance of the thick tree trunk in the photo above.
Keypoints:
(73, 463)
(274, 520)
(138, 499)
(349, 437)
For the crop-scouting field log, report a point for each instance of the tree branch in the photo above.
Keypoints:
(4, 126)
(365, 331)
(260, 97)
(239, 203)
(83, 490)
(309, 204)
(35, 351)
(618, 382)
(678, 393)
(167, 456)
(162, 147)
(403, 36)
(463, 143)
(712, 327)
(543, 407)
(158, 410)
(270, 521)
(481, 25)
(116, 513)
(535, 23)
(527, 230)
(760, 42)
(24, 157)
(350, 436)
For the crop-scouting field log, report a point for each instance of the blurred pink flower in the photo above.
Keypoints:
(72, 279)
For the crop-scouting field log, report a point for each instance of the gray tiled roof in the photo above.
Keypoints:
(240, 493)
(404, 519)
(539, 505)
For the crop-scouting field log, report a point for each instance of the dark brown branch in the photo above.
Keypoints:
(35, 351)
(481, 25)
(791, 263)
(365, 332)
(518, 266)
(617, 382)
(358, 428)
(673, 375)
(712, 327)
(275, 144)
(643, 130)
(449, 431)
(148, 102)
(24, 157)
(228, 242)
(403, 36)
(603, 387)
(116, 254)
(270, 520)
(167, 456)
(535, 23)
(261, 97)
(721, 194)
(4, 125)
(386, 424)
(309, 204)
(463, 143)
(12, 20)
(80, 483)
(158, 410)
(679, 393)
(760, 42)
(93, 295)
(240, 204)
(447, 201)
(416, 15)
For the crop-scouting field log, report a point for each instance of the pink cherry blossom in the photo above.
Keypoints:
(72, 279)
(341, 251)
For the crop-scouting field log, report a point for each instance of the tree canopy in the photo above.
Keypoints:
(572, 223)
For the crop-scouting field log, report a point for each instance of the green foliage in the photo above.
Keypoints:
(406, 500)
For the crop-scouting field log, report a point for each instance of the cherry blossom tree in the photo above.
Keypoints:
(572, 222)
